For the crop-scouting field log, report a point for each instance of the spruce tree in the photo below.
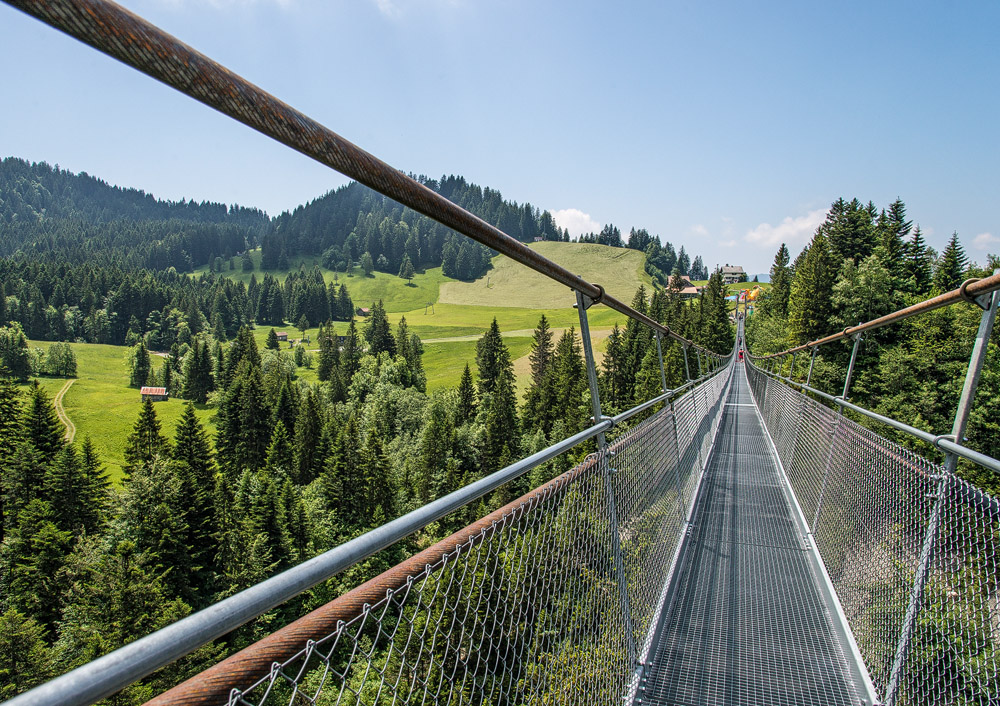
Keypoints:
(492, 359)
(435, 446)
(272, 340)
(25, 659)
(97, 488)
(66, 489)
(351, 355)
(42, 427)
(280, 458)
(918, 270)
(951, 266)
(406, 270)
(329, 355)
(140, 365)
(195, 469)
(809, 308)
(781, 284)
(308, 446)
(541, 351)
(377, 332)
(614, 381)
(243, 347)
(466, 407)
(145, 443)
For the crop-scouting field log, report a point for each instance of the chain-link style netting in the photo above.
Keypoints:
(874, 509)
(532, 608)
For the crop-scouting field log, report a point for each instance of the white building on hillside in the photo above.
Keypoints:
(731, 274)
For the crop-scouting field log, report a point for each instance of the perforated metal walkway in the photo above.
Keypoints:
(747, 623)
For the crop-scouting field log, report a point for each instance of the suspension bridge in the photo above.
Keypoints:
(748, 541)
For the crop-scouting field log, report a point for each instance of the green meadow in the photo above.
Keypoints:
(102, 405)
(448, 315)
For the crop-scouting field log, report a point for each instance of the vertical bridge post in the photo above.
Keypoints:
(663, 373)
(582, 304)
(812, 361)
(976, 360)
(687, 368)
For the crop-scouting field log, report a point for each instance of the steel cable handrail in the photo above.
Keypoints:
(132, 40)
(970, 290)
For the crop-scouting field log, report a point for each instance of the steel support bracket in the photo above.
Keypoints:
(983, 301)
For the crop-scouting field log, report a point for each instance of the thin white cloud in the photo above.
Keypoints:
(984, 241)
(727, 243)
(387, 8)
(790, 230)
(699, 229)
(395, 9)
(575, 221)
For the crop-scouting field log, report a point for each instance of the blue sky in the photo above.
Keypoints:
(726, 127)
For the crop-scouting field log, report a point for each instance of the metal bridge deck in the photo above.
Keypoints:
(748, 624)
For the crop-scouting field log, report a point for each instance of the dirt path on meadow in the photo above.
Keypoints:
(57, 402)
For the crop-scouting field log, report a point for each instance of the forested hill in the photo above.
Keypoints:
(52, 214)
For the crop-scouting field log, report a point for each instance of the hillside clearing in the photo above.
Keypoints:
(511, 284)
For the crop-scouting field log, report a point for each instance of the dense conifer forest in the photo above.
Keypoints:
(864, 262)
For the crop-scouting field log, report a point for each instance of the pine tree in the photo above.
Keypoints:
(140, 365)
(145, 443)
(308, 445)
(42, 427)
(195, 469)
(243, 347)
(541, 351)
(97, 488)
(377, 332)
(781, 284)
(918, 270)
(492, 359)
(406, 270)
(280, 458)
(272, 341)
(615, 386)
(951, 266)
(466, 408)
(25, 659)
(809, 307)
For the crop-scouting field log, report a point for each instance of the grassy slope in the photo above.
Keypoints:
(511, 284)
(102, 405)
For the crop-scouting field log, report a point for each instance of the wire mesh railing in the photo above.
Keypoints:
(529, 607)
(911, 549)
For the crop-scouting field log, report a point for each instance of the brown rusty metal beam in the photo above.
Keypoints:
(243, 669)
(132, 40)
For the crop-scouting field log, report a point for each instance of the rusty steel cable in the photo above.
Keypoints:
(115, 31)
(969, 291)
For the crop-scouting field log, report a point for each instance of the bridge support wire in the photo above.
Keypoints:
(942, 494)
(911, 549)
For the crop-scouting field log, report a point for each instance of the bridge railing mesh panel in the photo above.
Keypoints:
(530, 609)
(871, 506)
